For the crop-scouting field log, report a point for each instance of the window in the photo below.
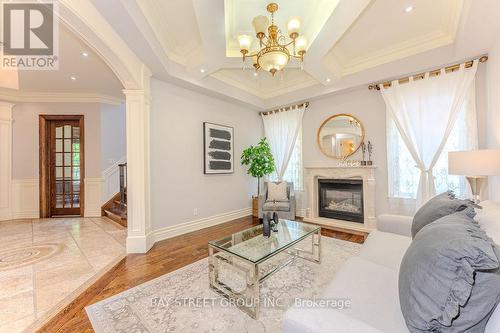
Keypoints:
(403, 176)
(294, 172)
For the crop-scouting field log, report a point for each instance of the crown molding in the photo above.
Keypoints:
(58, 97)
(264, 94)
(443, 36)
(395, 52)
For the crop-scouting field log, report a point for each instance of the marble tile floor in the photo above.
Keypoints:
(44, 263)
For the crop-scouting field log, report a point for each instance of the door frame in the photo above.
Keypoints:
(44, 164)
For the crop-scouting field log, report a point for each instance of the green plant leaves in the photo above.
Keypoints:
(259, 159)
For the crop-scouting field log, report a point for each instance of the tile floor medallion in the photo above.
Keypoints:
(44, 263)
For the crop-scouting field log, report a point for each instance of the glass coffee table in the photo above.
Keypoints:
(246, 256)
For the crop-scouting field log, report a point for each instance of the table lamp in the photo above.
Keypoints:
(476, 166)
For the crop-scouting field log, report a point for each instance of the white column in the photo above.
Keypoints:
(5, 161)
(138, 104)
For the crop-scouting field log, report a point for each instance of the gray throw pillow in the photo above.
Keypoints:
(437, 207)
(449, 280)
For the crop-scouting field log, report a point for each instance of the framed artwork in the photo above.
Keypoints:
(218, 142)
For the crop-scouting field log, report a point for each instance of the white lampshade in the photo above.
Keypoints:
(301, 44)
(260, 24)
(484, 162)
(293, 25)
(245, 41)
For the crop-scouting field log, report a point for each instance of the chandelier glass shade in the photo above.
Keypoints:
(275, 49)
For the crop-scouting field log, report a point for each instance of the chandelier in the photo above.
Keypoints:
(275, 49)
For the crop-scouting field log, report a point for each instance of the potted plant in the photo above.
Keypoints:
(261, 162)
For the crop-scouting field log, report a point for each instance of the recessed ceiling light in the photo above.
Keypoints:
(328, 80)
(255, 74)
(202, 70)
(85, 54)
(408, 9)
(73, 78)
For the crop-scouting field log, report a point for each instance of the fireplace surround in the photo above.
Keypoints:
(363, 175)
(341, 199)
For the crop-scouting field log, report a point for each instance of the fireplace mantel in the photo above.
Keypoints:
(366, 173)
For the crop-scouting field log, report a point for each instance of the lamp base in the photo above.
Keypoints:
(475, 182)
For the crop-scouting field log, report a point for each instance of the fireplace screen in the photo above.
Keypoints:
(341, 199)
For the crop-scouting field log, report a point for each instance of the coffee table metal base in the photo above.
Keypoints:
(248, 299)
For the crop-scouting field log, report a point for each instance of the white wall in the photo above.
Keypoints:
(178, 185)
(113, 135)
(493, 127)
(369, 108)
(25, 136)
(113, 148)
(105, 139)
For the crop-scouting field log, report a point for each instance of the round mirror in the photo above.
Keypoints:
(340, 136)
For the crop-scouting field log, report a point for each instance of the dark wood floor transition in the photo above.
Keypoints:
(166, 256)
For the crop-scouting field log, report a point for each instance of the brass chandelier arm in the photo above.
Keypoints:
(275, 48)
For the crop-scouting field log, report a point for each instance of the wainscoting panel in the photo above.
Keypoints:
(183, 228)
(111, 180)
(25, 198)
(93, 197)
(5, 160)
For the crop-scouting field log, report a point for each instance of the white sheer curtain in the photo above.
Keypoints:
(424, 112)
(281, 130)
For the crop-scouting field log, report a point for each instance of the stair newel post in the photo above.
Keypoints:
(123, 183)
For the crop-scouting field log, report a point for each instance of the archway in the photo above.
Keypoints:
(85, 21)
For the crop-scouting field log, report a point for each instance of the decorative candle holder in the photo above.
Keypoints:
(370, 151)
(363, 151)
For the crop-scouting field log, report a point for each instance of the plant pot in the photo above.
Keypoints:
(255, 206)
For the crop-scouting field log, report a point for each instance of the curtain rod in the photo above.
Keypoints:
(435, 72)
(287, 108)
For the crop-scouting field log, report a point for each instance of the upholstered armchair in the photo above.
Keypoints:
(285, 209)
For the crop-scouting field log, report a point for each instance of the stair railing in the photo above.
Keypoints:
(123, 184)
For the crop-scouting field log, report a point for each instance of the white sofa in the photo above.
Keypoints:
(370, 281)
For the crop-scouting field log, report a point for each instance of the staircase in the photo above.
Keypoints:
(116, 207)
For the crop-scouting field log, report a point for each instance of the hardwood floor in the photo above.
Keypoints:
(166, 256)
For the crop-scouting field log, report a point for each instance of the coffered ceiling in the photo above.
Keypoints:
(386, 32)
(238, 16)
(351, 42)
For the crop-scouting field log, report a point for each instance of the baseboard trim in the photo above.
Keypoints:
(140, 244)
(183, 228)
(301, 213)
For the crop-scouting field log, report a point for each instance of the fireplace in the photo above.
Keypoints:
(341, 199)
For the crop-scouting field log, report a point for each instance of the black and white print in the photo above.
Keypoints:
(218, 142)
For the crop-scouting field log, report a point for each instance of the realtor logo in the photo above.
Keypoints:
(29, 36)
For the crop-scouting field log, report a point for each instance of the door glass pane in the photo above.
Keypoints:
(59, 133)
(67, 167)
(76, 200)
(67, 187)
(67, 200)
(67, 172)
(67, 131)
(59, 145)
(76, 173)
(76, 145)
(67, 159)
(59, 187)
(67, 145)
(76, 132)
(59, 201)
(76, 159)
(59, 172)
(59, 159)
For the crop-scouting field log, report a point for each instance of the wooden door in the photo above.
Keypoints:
(63, 166)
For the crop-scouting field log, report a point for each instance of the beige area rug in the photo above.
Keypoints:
(182, 301)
